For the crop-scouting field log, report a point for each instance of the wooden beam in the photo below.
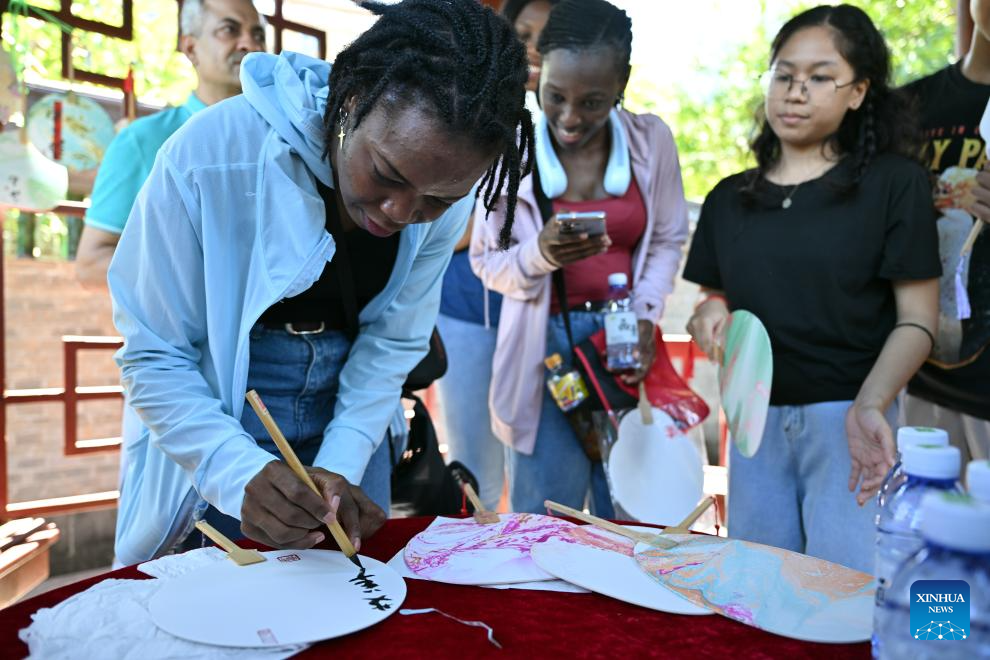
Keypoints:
(61, 505)
(25, 566)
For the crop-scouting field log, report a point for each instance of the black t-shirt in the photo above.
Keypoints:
(951, 106)
(958, 374)
(371, 262)
(818, 274)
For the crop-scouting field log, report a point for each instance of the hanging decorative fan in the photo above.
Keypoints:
(86, 130)
(28, 180)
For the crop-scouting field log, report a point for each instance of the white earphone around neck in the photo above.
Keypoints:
(618, 172)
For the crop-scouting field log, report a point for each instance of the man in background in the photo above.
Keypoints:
(215, 35)
(952, 389)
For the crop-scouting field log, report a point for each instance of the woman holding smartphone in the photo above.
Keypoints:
(592, 156)
(469, 314)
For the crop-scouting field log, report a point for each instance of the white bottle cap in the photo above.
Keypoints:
(978, 480)
(618, 279)
(920, 435)
(931, 462)
(956, 521)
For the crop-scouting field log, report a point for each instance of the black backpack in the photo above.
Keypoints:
(422, 484)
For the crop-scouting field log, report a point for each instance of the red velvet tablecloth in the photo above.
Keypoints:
(526, 623)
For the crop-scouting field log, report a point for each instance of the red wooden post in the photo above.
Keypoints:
(70, 413)
(3, 389)
(57, 131)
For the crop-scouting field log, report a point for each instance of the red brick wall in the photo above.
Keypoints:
(42, 303)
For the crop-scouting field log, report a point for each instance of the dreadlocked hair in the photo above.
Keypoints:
(883, 123)
(458, 59)
(580, 25)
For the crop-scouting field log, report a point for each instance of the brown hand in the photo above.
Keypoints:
(561, 248)
(281, 511)
(358, 515)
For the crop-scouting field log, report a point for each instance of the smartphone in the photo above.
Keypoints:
(591, 223)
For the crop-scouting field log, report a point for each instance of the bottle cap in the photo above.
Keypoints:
(552, 361)
(618, 279)
(931, 461)
(978, 480)
(920, 435)
(956, 521)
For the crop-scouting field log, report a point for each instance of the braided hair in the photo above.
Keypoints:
(512, 8)
(580, 25)
(883, 123)
(463, 62)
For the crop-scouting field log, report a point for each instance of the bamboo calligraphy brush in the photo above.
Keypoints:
(641, 537)
(482, 516)
(645, 407)
(974, 233)
(235, 553)
(339, 535)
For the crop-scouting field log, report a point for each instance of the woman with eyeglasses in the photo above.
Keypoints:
(831, 242)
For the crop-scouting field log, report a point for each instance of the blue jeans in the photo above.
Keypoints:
(793, 493)
(297, 378)
(558, 468)
(463, 391)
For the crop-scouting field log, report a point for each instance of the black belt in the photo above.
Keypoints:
(299, 327)
(588, 306)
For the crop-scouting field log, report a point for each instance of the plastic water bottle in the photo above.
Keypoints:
(928, 468)
(978, 480)
(621, 328)
(956, 531)
(907, 436)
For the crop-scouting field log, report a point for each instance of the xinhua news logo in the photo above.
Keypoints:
(940, 610)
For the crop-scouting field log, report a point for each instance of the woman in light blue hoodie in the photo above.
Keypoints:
(226, 278)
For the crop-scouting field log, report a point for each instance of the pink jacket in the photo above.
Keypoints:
(522, 275)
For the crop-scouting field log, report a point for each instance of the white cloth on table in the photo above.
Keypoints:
(171, 566)
(111, 620)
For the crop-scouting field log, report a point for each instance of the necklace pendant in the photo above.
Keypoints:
(786, 203)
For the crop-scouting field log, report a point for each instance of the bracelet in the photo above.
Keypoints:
(925, 330)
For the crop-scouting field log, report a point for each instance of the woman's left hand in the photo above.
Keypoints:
(647, 353)
(871, 449)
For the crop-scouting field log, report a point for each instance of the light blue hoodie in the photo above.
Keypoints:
(228, 223)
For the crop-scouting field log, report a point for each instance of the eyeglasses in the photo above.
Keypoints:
(777, 84)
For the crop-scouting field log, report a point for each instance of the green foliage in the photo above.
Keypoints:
(713, 130)
(162, 74)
